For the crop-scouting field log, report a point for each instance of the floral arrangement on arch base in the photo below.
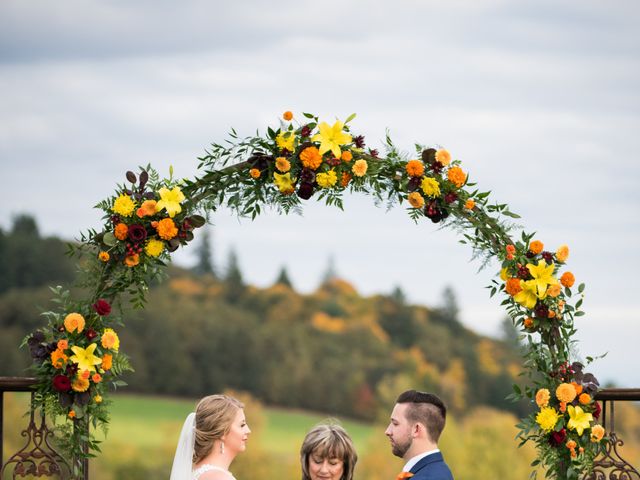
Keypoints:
(290, 165)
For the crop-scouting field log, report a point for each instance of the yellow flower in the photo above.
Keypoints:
(170, 200)
(554, 290)
(547, 418)
(283, 164)
(110, 340)
(97, 399)
(416, 200)
(579, 420)
(504, 274)
(284, 182)
(359, 168)
(542, 276)
(84, 357)
(469, 204)
(597, 433)
(328, 179)
(104, 256)
(286, 140)
(542, 397)
(527, 297)
(430, 187)
(562, 253)
(154, 247)
(74, 321)
(124, 205)
(331, 138)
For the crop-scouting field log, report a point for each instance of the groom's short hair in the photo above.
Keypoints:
(425, 408)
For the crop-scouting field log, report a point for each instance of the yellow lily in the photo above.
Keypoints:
(170, 200)
(286, 140)
(579, 420)
(85, 358)
(331, 138)
(284, 182)
(527, 297)
(542, 276)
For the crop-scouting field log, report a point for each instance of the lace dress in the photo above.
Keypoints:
(195, 475)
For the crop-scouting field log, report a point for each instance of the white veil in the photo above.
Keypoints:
(182, 461)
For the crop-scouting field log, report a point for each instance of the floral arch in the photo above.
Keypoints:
(77, 358)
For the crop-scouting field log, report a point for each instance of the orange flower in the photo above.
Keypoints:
(255, 173)
(584, 398)
(346, 156)
(528, 322)
(536, 246)
(106, 361)
(132, 260)
(554, 290)
(416, 200)
(311, 158)
(104, 256)
(551, 314)
(74, 321)
(510, 251)
(457, 176)
(85, 374)
(513, 286)
(62, 344)
(283, 164)
(404, 475)
(470, 204)
(121, 232)
(166, 229)
(578, 387)
(571, 444)
(415, 168)
(345, 179)
(562, 253)
(80, 384)
(147, 208)
(542, 397)
(566, 392)
(58, 358)
(562, 407)
(567, 279)
(597, 433)
(72, 414)
(96, 377)
(288, 116)
(359, 168)
(443, 156)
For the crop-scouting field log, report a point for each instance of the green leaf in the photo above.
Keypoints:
(109, 239)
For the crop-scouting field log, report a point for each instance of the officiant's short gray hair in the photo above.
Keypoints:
(329, 440)
(214, 416)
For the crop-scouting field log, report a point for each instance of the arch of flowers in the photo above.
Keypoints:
(77, 358)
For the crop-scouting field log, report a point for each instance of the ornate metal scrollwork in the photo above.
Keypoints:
(38, 457)
(610, 465)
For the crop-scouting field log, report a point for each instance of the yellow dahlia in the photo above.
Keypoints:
(430, 187)
(110, 339)
(542, 397)
(326, 180)
(359, 168)
(154, 247)
(547, 418)
(124, 205)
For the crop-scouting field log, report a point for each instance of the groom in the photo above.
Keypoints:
(416, 423)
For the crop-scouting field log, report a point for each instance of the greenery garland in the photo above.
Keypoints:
(77, 359)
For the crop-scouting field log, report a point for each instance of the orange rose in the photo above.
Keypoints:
(443, 156)
(510, 251)
(469, 204)
(597, 433)
(288, 116)
(578, 387)
(104, 256)
(63, 344)
(554, 290)
(132, 260)
(584, 398)
(416, 200)
(571, 444)
(415, 168)
(562, 253)
(311, 158)
(536, 246)
(513, 286)
(166, 229)
(528, 322)
(255, 173)
(121, 232)
(346, 156)
(562, 407)
(96, 377)
(567, 279)
(457, 176)
(72, 414)
(147, 208)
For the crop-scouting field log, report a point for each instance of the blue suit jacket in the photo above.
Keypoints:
(431, 467)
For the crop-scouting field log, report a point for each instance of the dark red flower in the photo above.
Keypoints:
(359, 141)
(61, 383)
(307, 175)
(373, 152)
(305, 190)
(102, 307)
(137, 233)
(414, 184)
(541, 310)
(597, 409)
(451, 197)
(305, 132)
(548, 257)
(90, 334)
(557, 438)
(429, 155)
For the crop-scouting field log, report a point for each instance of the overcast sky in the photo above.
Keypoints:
(539, 99)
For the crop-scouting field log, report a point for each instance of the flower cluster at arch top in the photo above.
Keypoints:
(315, 156)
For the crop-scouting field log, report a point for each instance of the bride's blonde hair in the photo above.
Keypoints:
(214, 416)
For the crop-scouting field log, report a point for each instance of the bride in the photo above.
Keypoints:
(210, 440)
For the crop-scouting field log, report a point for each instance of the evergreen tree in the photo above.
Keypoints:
(205, 262)
(398, 295)
(283, 278)
(234, 284)
(330, 273)
(447, 312)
